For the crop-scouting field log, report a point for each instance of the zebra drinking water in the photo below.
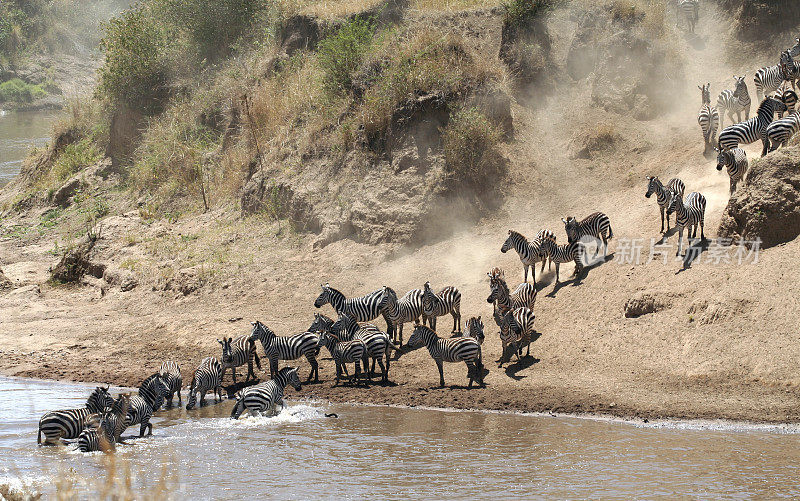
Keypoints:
(403, 310)
(708, 118)
(690, 215)
(69, 423)
(735, 161)
(529, 253)
(152, 393)
(455, 349)
(780, 131)
(663, 193)
(448, 300)
(734, 101)
(266, 397)
(287, 348)
(170, 372)
(207, 377)
(753, 129)
(237, 352)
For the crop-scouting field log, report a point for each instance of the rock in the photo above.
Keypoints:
(644, 303)
(76, 263)
(187, 280)
(128, 283)
(62, 196)
(280, 201)
(5, 282)
(767, 207)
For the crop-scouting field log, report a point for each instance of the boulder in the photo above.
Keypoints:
(767, 207)
(644, 303)
(62, 196)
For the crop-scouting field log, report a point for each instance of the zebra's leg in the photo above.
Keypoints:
(765, 142)
(203, 398)
(273, 365)
(371, 372)
(733, 186)
(702, 229)
(680, 240)
(384, 370)
(439, 364)
(400, 332)
(526, 273)
(314, 367)
(662, 219)
(557, 266)
(432, 322)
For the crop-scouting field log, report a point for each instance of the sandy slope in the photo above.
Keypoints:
(722, 346)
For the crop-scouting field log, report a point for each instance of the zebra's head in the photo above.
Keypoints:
(705, 93)
(327, 339)
(652, 185)
(496, 273)
(388, 297)
(344, 326)
(723, 158)
(509, 243)
(427, 297)
(325, 297)
(99, 400)
(571, 227)
(474, 328)
(289, 375)
(227, 352)
(259, 332)
(741, 87)
(321, 323)
(421, 336)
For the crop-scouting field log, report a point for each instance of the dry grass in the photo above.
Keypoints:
(453, 5)
(327, 9)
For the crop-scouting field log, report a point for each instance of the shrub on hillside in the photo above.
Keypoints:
(341, 53)
(17, 91)
(472, 158)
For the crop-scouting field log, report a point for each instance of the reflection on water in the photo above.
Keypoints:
(19, 132)
(389, 453)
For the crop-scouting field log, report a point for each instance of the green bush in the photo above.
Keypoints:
(341, 53)
(17, 91)
(517, 12)
(470, 143)
(74, 158)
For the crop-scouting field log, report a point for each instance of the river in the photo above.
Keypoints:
(388, 453)
(19, 132)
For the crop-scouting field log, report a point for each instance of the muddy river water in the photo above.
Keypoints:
(390, 453)
(19, 132)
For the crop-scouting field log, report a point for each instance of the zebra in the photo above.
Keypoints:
(69, 423)
(565, 253)
(287, 348)
(689, 214)
(753, 129)
(106, 434)
(523, 295)
(529, 253)
(454, 349)
(662, 192)
(345, 352)
(789, 68)
(788, 97)
(448, 300)
(596, 225)
(363, 309)
(794, 51)
(152, 393)
(690, 10)
(516, 330)
(734, 101)
(266, 397)
(237, 352)
(207, 377)
(735, 161)
(403, 310)
(767, 80)
(170, 372)
(708, 118)
(378, 342)
(474, 328)
(780, 131)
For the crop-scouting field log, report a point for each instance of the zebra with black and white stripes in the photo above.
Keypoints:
(780, 131)
(447, 301)
(454, 349)
(558, 254)
(735, 161)
(790, 68)
(207, 377)
(474, 328)
(708, 117)
(690, 11)
(523, 295)
(788, 97)
(689, 214)
(403, 310)
(596, 225)
(378, 342)
(69, 423)
(663, 193)
(753, 129)
(346, 352)
(170, 372)
(767, 80)
(152, 393)
(516, 331)
(363, 309)
(794, 51)
(237, 352)
(109, 428)
(266, 397)
(734, 101)
(529, 253)
(287, 348)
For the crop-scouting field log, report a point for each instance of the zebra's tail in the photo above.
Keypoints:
(610, 232)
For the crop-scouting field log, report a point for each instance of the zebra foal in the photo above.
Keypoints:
(735, 161)
(690, 215)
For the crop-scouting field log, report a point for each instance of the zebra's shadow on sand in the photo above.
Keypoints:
(577, 280)
(523, 363)
(693, 252)
(666, 235)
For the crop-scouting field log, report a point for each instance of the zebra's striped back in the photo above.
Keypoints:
(767, 80)
(448, 300)
(565, 253)
(154, 390)
(455, 349)
(207, 377)
(69, 423)
(265, 397)
(594, 225)
(345, 352)
(753, 129)
(406, 309)
(170, 372)
(788, 97)
(285, 347)
(363, 309)
(780, 131)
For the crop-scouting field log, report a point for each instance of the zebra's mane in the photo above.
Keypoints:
(518, 235)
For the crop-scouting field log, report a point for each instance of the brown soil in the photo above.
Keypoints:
(720, 344)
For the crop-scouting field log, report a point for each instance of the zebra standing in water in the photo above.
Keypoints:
(596, 225)
(266, 397)
(108, 430)
(690, 215)
(363, 309)
(237, 352)
(558, 254)
(788, 97)
(690, 10)
(529, 253)
(663, 193)
(403, 310)
(67, 424)
(734, 101)
(708, 118)
(767, 80)
(455, 349)
(152, 393)
(170, 372)
(753, 129)
(207, 377)
(735, 161)
(448, 300)
(378, 342)
(287, 348)
(516, 331)
(780, 131)
(524, 295)
(346, 352)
